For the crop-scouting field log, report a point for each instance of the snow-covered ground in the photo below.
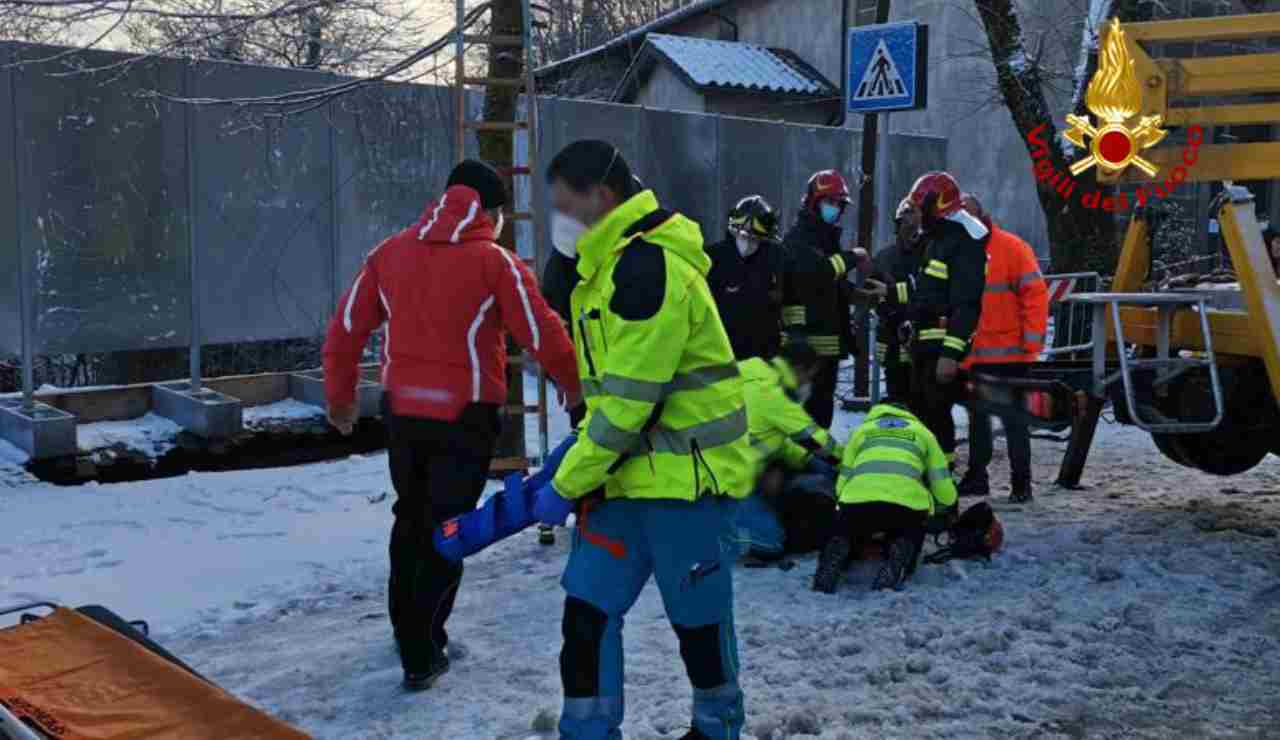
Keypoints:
(1146, 606)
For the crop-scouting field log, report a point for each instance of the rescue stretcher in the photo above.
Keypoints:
(87, 674)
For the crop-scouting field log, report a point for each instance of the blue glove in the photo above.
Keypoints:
(551, 464)
(549, 507)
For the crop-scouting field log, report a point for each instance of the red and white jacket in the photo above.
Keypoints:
(447, 294)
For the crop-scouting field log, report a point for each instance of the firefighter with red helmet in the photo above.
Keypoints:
(945, 303)
(815, 293)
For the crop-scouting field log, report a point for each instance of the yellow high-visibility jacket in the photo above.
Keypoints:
(665, 413)
(780, 428)
(893, 458)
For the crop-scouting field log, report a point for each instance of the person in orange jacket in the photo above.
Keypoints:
(1011, 333)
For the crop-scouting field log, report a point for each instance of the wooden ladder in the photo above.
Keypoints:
(465, 124)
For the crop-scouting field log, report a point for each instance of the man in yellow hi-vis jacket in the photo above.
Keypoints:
(893, 477)
(793, 500)
(661, 453)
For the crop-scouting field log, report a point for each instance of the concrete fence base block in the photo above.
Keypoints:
(205, 413)
(308, 387)
(43, 432)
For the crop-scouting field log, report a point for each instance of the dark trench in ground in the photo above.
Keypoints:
(273, 446)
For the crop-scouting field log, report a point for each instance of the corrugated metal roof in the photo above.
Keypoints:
(733, 64)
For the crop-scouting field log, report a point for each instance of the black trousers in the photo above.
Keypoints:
(897, 374)
(931, 401)
(860, 522)
(822, 401)
(438, 469)
(1017, 437)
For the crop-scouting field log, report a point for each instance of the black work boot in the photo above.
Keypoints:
(974, 483)
(546, 534)
(831, 565)
(897, 564)
(436, 667)
(1020, 490)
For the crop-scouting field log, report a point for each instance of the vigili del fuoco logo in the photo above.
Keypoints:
(1117, 142)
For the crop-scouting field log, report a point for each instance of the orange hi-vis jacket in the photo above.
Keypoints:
(1015, 304)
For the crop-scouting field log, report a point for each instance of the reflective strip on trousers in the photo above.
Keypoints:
(708, 434)
(931, 334)
(955, 343)
(937, 269)
(903, 296)
(837, 263)
(648, 391)
(705, 701)
(882, 467)
(592, 707)
(794, 315)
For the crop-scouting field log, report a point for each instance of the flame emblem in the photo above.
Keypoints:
(1115, 97)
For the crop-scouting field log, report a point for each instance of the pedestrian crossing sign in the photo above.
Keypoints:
(887, 67)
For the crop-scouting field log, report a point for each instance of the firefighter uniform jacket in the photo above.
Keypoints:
(665, 413)
(946, 301)
(745, 290)
(893, 458)
(896, 268)
(1015, 306)
(779, 426)
(815, 307)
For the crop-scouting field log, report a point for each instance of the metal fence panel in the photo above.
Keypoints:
(911, 157)
(809, 149)
(104, 205)
(679, 163)
(10, 309)
(619, 125)
(264, 228)
(390, 159)
(751, 155)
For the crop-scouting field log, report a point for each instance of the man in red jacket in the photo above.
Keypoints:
(447, 295)
(1015, 315)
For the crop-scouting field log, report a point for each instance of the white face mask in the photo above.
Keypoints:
(565, 232)
(803, 392)
(746, 247)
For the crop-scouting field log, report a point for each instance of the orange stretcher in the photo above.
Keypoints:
(80, 675)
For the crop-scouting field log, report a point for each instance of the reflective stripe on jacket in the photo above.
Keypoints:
(779, 426)
(665, 413)
(892, 458)
(1015, 305)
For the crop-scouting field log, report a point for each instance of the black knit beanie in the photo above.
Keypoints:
(481, 178)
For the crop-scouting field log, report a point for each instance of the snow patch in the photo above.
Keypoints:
(286, 410)
(150, 435)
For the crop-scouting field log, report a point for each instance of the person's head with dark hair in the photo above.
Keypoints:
(589, 178)
(487, 183)
(803, 361)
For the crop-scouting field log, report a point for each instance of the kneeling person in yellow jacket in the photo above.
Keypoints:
(893, 477)
(792, 505)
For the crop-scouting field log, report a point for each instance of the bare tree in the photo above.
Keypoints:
(348, 36)
(1031, 69)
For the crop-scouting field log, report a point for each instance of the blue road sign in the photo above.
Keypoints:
(887, 67)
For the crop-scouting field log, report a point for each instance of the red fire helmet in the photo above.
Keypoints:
(936, 194)
(826, 185)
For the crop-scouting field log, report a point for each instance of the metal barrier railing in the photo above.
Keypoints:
(1071, 323)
